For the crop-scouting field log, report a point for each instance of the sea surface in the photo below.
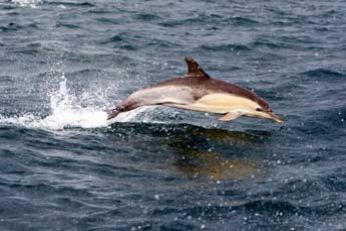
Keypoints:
(64, 167)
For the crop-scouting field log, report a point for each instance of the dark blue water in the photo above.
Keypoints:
(62, 167)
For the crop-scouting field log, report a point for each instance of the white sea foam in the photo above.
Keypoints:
(67, 111)
(27, 3)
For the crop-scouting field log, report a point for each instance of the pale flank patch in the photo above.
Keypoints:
(219, 100)
(221, 104)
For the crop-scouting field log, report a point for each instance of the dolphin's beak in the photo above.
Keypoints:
(264, 115)
(274, 117)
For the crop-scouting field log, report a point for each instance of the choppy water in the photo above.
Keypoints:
(62, 167)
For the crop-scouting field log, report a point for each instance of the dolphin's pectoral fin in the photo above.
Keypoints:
(194, 70)
(230, 116)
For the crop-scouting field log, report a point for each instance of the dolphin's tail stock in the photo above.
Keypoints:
(113, 113)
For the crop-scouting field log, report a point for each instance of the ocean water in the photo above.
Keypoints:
(64, 167)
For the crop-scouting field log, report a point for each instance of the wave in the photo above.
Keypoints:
(225, 47)
(67, 25)
(212, 18)
(261, 42)
(130, 41)
(73, 4)
(10, 27)
(14, 27)
(147, 17)
(62, 4)
(6, 79)
(323, 74)
(242, 21)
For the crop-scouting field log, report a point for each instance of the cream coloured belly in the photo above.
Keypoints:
(220, 103)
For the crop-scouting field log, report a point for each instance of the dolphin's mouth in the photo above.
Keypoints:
(275, 117)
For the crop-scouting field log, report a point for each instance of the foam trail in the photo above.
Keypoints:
(67, 112)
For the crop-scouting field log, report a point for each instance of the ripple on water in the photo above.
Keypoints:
(72, 4)
(228, 47)
(322, 74)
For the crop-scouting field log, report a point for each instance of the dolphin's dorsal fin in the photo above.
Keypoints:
(194, 70)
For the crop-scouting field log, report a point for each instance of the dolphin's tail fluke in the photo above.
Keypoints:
(112, 113)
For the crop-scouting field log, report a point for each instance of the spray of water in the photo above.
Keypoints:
(67, 111)
(27, 3)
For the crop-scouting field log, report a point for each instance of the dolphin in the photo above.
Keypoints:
(197, 91)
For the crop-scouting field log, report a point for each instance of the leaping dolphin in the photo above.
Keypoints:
(197, 91)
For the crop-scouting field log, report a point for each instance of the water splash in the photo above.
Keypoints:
(27, 3)
(67, 111)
